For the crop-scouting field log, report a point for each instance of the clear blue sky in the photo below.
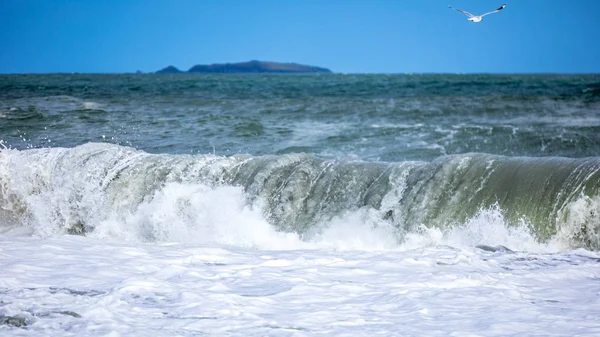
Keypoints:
(350, 36)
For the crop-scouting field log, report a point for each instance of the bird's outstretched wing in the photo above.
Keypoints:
(461, 11)
(495, 10)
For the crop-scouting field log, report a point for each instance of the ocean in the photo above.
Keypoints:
(299, 205)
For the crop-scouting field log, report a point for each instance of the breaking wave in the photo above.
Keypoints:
(301, 201)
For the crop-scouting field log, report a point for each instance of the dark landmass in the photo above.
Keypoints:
(169, 70)
(248, 67)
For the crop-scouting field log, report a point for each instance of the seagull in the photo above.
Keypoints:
(477, 18)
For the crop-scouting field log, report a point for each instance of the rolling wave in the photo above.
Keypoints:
(104, 189)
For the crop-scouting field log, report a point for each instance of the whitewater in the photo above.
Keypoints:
(337, 205)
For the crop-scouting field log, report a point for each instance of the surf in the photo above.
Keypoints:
(102, 188)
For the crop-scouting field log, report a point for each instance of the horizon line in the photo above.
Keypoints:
(306, 73)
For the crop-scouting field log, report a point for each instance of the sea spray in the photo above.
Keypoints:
(93, 187)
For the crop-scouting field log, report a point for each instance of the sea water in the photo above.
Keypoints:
(299, 205)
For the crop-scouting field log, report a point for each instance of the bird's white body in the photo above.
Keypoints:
(477, 18)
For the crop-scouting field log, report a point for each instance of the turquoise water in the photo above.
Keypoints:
(370, 117)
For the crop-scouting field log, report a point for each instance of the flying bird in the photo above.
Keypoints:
(477, 18)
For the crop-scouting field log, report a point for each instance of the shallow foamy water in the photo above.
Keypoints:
(80, 286)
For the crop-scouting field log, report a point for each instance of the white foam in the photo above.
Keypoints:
(200, 214)
(488, 227)
(91, 105)
(363, 230)
(205, 215)
(84, 286)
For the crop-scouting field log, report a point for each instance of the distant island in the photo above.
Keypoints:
(247, 67)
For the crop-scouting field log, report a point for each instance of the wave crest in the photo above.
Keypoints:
(295, 199)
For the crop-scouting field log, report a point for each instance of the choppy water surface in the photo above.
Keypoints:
(300, 205)
(370, 117)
